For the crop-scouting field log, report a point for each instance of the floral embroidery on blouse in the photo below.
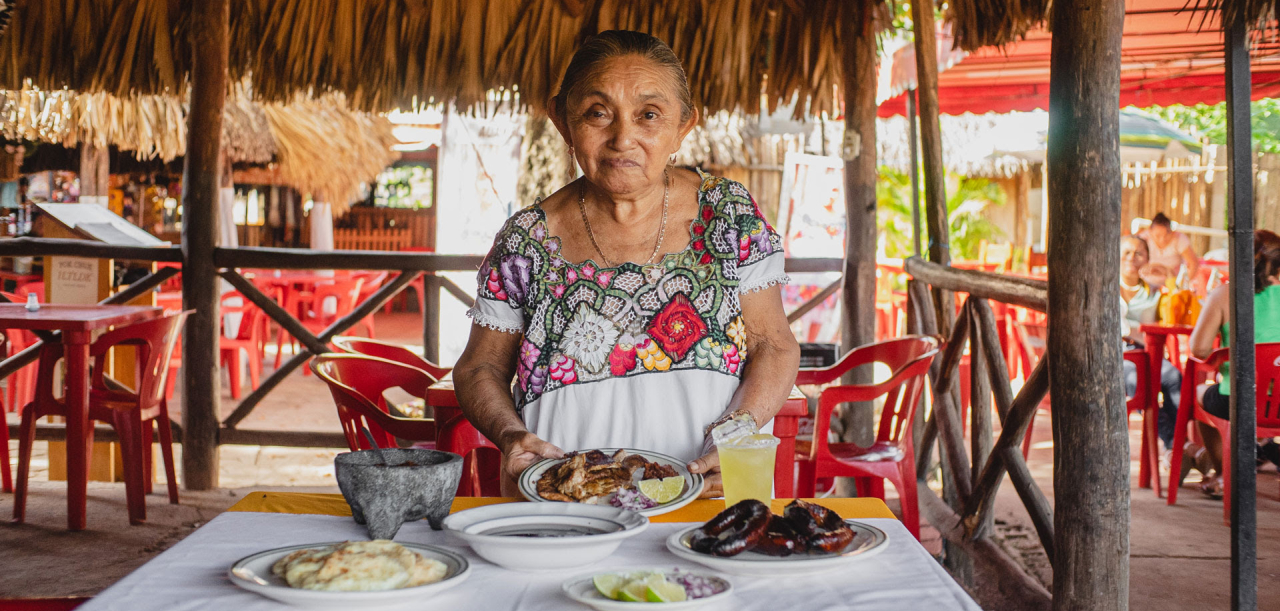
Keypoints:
(583, 323)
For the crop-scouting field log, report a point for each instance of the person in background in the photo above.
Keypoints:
(1216, 398)
(1141, 303)
(1169, 251)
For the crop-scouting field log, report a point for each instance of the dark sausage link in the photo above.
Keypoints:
(732, 531)
(820, 528)
(780, 539)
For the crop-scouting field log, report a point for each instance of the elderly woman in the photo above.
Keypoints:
(638, 305)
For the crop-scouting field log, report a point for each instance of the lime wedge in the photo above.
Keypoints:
(662, 490)
(633, 592)
(608, 584)
(665, 592)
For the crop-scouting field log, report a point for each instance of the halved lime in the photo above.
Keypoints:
(633, 592)
(665, 592)
(662, 490)
(608, 584)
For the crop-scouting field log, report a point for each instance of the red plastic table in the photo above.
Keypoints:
(1155, 336)
(442, 398)
(77, 324)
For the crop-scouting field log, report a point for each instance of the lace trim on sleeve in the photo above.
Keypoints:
(763, 283)
(493, 322)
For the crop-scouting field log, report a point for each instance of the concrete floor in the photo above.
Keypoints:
(1180, 556)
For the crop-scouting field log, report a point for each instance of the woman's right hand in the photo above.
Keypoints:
(524, 449)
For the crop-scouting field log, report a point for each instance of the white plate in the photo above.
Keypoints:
(581, 589)
(253, 573)
(692, 481)
(867, 542)
(545, 536)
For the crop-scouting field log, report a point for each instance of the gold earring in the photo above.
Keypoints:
(672, 160)
(572, 171)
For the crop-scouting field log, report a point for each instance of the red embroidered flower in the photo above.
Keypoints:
(707, 213)
(570, 276)
(699, 245)
(677, 327)
(744, 248)
(494, 284)
(699, 229)
(706, 258)
(603, 279)
(622, 359)
(588, 271)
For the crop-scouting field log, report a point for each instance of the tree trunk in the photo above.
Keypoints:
(859, 153)
(1090, 432)
(200, 182)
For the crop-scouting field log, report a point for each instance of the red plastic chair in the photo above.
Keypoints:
(248, 338)
(480, 457)
(892, 456)
(357, 383)
(6, 478)
(418, 285)
(310, 309)
(130, 412)
(21, 385)
(1268, 405)
(1142, 401)
(1032, 342)
(389, 351)
(372, 282)
(42, 604)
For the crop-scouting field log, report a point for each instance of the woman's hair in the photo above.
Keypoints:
(618, 43)
(1266, 258)
(1161, 220)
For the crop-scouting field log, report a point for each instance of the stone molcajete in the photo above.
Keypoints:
(387, 488)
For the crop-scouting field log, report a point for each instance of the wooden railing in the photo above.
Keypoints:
(971, 476)
(372, 239)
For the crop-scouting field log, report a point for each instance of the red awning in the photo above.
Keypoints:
(1164, 60)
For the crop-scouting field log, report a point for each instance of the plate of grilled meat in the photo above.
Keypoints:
(749, 539)
(648, 483)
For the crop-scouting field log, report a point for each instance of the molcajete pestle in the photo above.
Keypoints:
(410, 485)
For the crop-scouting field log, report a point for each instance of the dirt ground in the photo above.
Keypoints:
(1180, 556)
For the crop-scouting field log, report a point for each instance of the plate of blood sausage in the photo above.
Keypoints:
(749, 539)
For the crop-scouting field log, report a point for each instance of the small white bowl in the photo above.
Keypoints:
(545, 536)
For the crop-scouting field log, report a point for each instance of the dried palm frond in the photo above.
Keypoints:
(984, 23)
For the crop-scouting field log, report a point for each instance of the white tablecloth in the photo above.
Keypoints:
(192, 574)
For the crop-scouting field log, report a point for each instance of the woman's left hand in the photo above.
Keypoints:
(709, 466)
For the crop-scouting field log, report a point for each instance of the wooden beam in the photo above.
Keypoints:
(979, 398)
(947, 415)
(997, 368)
(288, 439)
(41, 247)
(200, 183)
(1014, 290)
(282, 317)
(314, 345)
(1005, 585)
(294, 258)
(859, 60)
(1090, 422)
(807, 265)
(1023, 411)
(815, 301)
(1032, 498)
(1244, 515)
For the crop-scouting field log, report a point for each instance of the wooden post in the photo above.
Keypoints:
(94, 172)
(935, 191)
(1090, 426)
(1244, 516)
(859, 153)
(431, 317)
(209, 26)
(913, 142)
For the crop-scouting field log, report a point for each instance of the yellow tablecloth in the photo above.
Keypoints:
(697, 511)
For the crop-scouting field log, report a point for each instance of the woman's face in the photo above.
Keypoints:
(624, 124)
(1133, 256)
(1158, 233)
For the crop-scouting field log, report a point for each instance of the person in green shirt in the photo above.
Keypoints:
(1213, 323)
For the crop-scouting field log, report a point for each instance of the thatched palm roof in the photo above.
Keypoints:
(320, 146)
(401, 53)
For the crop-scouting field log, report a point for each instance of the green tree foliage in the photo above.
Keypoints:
(1204, 120)
(967, 198)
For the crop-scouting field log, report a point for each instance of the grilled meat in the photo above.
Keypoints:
(585, 477)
